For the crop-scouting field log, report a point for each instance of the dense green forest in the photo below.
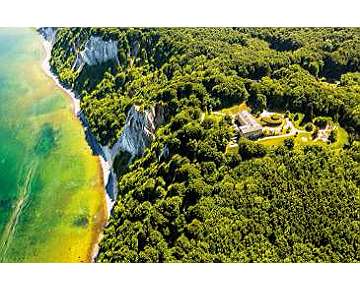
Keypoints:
(201, 202)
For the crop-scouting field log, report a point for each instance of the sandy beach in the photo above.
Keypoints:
(105, 164)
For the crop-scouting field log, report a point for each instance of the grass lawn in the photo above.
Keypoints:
(215, 117)
(276, 141)
(342, 138)
(302, 138)
(236, 109)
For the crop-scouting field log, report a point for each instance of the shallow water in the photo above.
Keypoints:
(52, 203)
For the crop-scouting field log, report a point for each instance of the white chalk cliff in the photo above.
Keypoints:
(141, 124)
(137, 134)
(49, 34)
(96, 51)
(139, 130)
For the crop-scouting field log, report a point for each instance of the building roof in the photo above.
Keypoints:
(248, 122)
(245, 118)
(248, 128)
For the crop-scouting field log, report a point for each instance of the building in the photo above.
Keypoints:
(247, 126)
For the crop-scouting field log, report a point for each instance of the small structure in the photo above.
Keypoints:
(247, 126)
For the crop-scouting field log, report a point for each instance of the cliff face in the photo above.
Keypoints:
(49, 33)
(139, 130)
(96, 51)
(140, 125)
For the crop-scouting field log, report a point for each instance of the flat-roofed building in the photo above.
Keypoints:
(247, 125)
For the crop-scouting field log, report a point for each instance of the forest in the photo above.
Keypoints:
(202, 202)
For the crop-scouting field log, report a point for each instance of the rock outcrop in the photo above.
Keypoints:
(139, 130)
(96, 51)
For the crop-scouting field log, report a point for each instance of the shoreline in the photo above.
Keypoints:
(104, 164)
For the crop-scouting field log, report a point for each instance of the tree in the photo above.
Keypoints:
(315, 133)
(333, 136)
(261, 105)
(309, 127)
(193, 205)
(249, 149)
(289, 143)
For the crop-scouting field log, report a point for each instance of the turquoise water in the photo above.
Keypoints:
(52, 205)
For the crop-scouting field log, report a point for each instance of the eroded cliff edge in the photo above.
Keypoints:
(141, 123)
